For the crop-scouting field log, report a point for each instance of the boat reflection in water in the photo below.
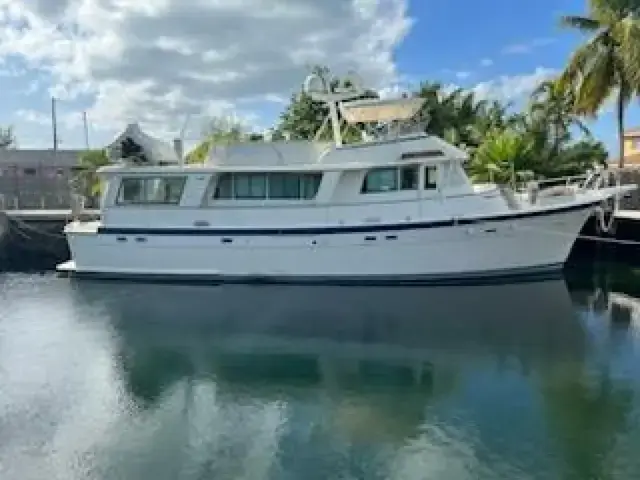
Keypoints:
(359, 348)
(320, 334)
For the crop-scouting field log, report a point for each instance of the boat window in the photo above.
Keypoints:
(381, 180)
(409, 177)
(275, 186)
(165, 190)
(250, 186)
(390, 179)
(284, 185)
(309, 185)
(224, 187)
(430, 178)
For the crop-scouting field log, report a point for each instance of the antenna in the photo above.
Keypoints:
(86, 129)
(320, 89)
(54, 124)
(179, 142)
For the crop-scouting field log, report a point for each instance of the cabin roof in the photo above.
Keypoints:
(309, 156)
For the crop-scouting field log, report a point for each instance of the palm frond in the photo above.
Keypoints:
(627, 35)
(598, 82)
(584, 24)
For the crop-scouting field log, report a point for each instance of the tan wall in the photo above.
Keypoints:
(632, 150)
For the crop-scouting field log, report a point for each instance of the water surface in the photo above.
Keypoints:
(130, 381)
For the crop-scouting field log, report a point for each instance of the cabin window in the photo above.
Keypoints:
(430, 178)
(165, 190)
(409, 177)
(381, 180)
(250, 186)
(309, 185)
(284, 185)
(224, 187)
(275, 186)
(390, 179)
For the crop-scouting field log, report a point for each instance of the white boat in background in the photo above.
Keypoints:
(395, 207)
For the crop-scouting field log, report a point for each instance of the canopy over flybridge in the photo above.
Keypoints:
(374, 110)
(346, 95)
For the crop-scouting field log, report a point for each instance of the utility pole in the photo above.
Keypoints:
(86, 129)
(54, 123)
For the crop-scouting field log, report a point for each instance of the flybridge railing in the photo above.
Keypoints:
(590, 180)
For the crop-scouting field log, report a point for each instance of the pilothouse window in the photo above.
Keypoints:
(391, 179)
(430, 178)
(409, 177)
(381, 180)
(165, 190)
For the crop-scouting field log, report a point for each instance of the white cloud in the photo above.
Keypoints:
(33, 116)
(158, 60)
(527, 47)
(486, 62)
(512, 88)
(463, 75)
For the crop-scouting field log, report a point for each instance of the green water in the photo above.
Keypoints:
(129, 381)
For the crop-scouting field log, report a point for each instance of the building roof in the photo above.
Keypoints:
(632, 132)
(60, 158)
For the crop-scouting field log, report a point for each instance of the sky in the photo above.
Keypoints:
(172, 64)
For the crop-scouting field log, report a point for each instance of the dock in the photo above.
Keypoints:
(39, 215)
(630, 215)
(33, 239)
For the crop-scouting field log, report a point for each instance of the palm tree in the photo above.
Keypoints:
(86, 181)
(218, 131)
(607, 65)
(553, 105)
(504, 154)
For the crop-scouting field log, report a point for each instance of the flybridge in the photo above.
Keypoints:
(382, 118)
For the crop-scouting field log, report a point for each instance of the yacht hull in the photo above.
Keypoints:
(467, 250)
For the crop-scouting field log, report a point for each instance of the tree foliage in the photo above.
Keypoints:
(607, 65)
(218, 131)
(87, 180)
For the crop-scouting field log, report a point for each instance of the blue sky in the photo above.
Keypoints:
(93, 59)
(456, 35)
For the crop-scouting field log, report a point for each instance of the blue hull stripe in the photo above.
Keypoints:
(301, 231)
